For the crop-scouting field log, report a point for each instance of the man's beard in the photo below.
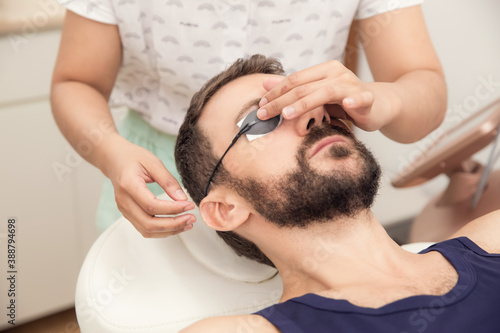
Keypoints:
(304, 196)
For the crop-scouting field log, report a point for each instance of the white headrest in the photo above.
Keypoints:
(136, 284)
(212, 252)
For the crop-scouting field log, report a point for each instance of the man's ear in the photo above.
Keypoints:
(223, 210)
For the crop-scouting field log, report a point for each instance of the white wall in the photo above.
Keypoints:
(51, 193)
(466, 35)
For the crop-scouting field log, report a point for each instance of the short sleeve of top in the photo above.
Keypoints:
(101, 11)
(171, 48)
(368, 8)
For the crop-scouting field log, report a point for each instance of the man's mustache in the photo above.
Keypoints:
(322, 131)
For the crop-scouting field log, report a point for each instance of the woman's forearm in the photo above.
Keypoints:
(83, 116)
(415, 104)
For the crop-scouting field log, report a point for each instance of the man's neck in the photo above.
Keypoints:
(335, 255)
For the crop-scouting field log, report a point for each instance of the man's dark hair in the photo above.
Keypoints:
(194, 155)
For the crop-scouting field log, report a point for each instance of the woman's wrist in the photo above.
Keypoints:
(106, 152)
(387, 104)
(388, 110)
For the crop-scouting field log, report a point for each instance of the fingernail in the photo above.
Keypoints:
(349, 102)
(188, 227)
(262, 113)
(263, 101)
(188, 207)
(289, 111)
(190, 220)
(180, 194)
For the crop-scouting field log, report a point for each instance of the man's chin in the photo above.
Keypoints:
(339, 156)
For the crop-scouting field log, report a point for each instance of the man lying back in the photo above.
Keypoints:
(296, 195)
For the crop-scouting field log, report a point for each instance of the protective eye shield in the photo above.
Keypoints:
(258, 128)
(254, 128)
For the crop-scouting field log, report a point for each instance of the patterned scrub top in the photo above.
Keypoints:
(172, 47)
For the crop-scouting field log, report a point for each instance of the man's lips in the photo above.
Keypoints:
(323, 143)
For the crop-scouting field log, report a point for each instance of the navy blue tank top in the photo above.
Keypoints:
(473, 305)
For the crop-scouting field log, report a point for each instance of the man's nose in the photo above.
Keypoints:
(303, 124)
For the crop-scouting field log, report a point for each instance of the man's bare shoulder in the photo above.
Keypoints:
(484, 231)
(232, 324)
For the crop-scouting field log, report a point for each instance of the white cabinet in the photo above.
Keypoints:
(54, 211)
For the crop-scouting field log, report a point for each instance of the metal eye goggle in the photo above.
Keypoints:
(254, 128)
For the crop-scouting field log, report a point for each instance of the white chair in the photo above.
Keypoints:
(132, 284)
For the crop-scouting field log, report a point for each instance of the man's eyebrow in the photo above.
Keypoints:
(245, 108)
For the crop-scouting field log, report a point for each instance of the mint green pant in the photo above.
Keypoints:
(136, 130)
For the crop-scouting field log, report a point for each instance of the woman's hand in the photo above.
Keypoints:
(407, 99)
(130, 167)
(331, 84)
(79, 99)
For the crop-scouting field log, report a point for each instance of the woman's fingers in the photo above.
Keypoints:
(328, 83)
(154, 206)
(359, 102)
(151, 216)
(312, 100)
(305, 98)
(164, 178)
(310, 75)
(289, 83)
(270, 83)
(148, 214)
(344, 97)
(154, 226)
(358, 108)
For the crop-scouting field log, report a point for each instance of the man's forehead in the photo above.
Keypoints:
(244, 92)
(233, 100)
